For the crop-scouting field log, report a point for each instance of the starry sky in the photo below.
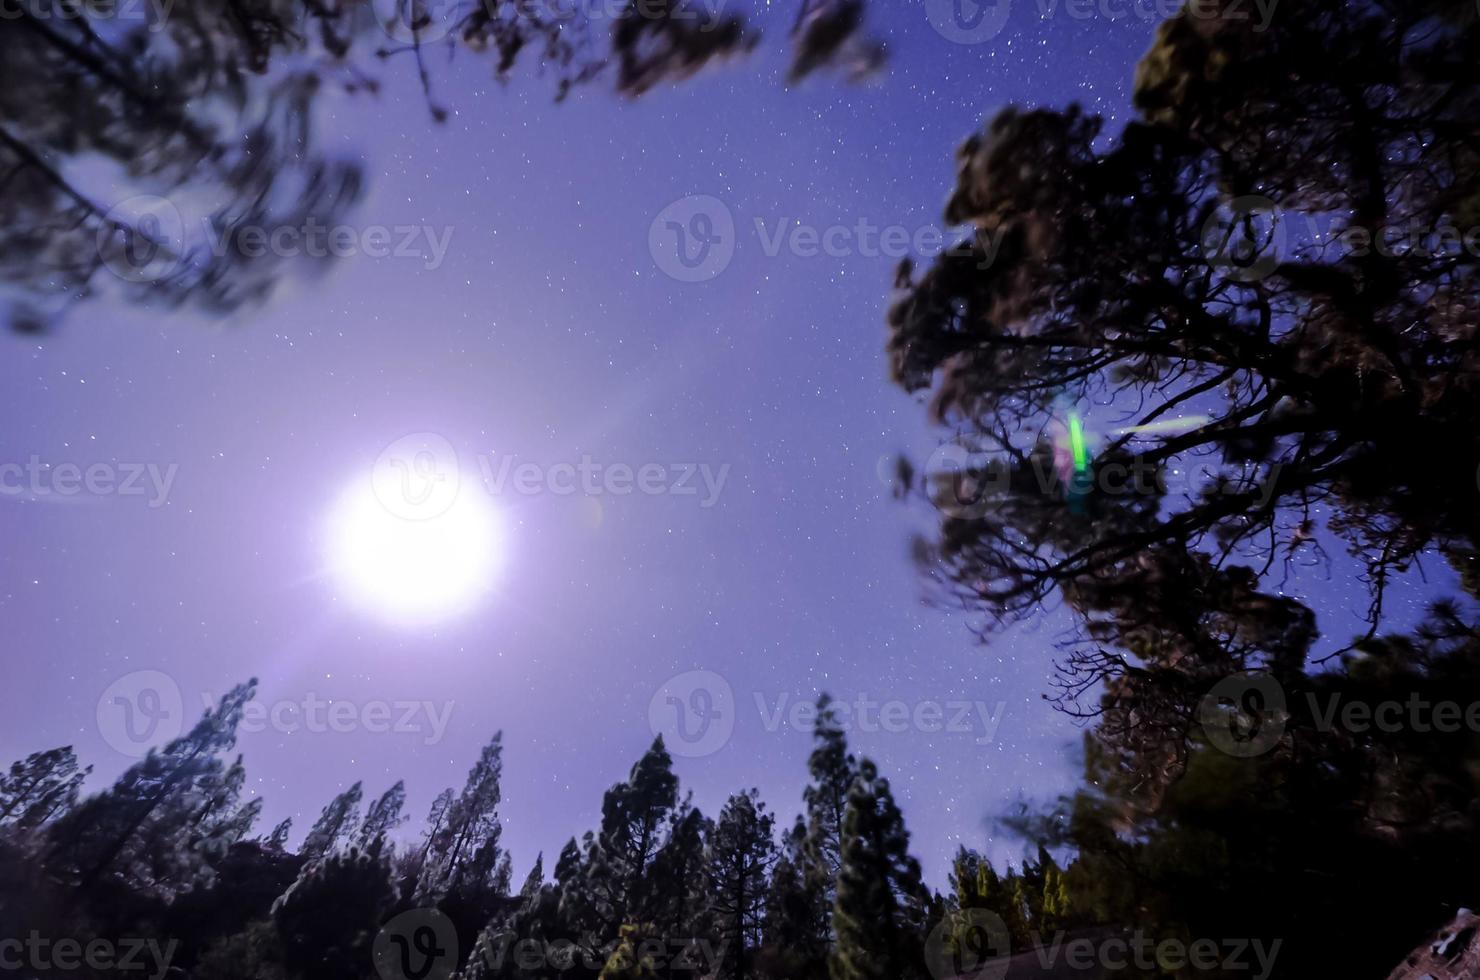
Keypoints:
(552, 330)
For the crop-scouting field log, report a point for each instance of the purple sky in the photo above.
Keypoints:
(549, 331)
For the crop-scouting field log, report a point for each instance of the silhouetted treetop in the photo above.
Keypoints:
(1202, 279)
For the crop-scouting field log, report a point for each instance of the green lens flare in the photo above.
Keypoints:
(1076, 443)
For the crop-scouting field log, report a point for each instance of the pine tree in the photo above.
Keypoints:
(40, 788)
(328, 918)
(437, 818)
(679, 896)
(535, 879)
(277, 841)
(633, 814)
(383, 816)
(568, 865)
(832, 771)
(1056, 903)
(741, 851)
(335, 827)
(797, 920)
(464, 851)
(878, 938)
(220, 820)
(629, 961)
(143, 828)
(530, 945)
(575, 877)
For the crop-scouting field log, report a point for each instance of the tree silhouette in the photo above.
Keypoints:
(876, 915)
(741, 853)
(1321, 391)
(195, 124)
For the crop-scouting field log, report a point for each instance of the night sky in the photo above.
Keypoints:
(551, 332)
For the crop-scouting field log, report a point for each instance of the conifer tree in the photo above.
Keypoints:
(679, 896)
(878, 935)
(383, 816)
(832, 770)
(797, 921)
(464, 851)
(741, 852)
(328, 918)
(633, 815)
(142, 828)
(630, 960)
(336, 825)
(535, 879)
(277, 840)
(220, 820)
(40, 788)
(568, 864)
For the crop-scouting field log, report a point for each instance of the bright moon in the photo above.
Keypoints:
(414, 571)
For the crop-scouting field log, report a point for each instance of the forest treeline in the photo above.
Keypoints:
(171, 851)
